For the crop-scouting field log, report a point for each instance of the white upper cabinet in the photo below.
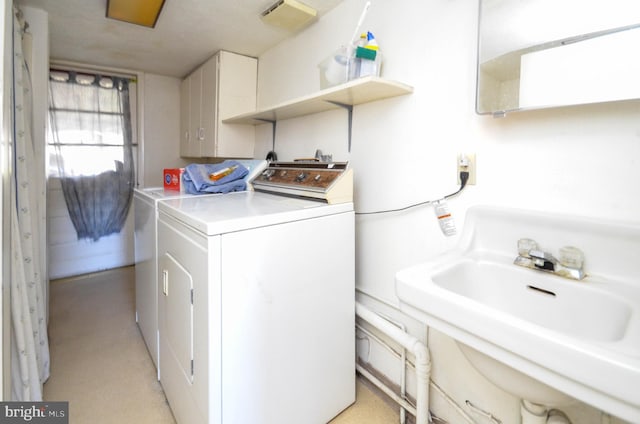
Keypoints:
(222, 87)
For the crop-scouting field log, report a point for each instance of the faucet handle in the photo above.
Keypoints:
(525, 245)
(571, 257)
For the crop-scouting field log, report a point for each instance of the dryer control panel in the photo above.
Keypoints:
(328, 181)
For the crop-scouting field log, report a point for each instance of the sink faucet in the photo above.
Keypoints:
(543, 260)
(570, 264)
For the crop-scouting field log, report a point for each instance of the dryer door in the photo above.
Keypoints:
(177, 299)
(183, 269)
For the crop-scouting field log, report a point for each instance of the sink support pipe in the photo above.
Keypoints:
(422, 359)
(533, 413)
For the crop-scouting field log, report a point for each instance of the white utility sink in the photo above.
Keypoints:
(580, 338)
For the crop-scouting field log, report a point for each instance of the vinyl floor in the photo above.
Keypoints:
(100, 364)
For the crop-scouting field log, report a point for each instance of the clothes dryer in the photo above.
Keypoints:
(256, 308)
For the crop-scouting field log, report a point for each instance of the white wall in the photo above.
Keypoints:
(161, 148)
(580, 160)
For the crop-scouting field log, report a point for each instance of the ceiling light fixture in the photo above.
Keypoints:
(139, 12)
(289, 14)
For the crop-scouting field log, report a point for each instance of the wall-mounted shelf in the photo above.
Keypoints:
(359, 91)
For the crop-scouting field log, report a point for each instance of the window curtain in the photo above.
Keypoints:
(90, 132)
(29, 339)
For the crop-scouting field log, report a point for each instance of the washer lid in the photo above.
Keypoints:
(154, 194)
(237, 211)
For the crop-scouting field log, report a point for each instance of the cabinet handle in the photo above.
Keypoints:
(186, 135)
(165, 282)
(201, 133)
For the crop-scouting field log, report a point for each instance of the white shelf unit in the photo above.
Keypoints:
(344, 96)
(352, 93)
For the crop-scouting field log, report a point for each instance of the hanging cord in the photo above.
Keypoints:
(464, 177)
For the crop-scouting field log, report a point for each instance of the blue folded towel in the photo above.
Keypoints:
(197, 177)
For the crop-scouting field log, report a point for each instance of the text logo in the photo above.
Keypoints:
(34, 412)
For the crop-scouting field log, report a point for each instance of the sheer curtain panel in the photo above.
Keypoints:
(90, 133)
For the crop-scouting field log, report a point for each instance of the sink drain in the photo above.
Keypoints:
(540, 290)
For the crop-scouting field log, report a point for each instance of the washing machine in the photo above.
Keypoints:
(145, 207)
(256, 306)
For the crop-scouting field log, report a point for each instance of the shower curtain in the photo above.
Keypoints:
(29, 340)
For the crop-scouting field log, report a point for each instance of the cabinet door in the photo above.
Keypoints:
(237, 76)
(195, 118)
(209, 104)
(223, 86)
(185, 116)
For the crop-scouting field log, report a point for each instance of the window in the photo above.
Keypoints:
(86, 135)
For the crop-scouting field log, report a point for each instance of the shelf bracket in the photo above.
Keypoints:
(273, 131)
(349, 109)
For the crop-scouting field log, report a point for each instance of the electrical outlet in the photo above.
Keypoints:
(467, 162)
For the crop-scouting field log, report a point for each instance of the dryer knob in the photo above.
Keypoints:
(268, 173)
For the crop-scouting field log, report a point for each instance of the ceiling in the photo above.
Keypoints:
(187, 33)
